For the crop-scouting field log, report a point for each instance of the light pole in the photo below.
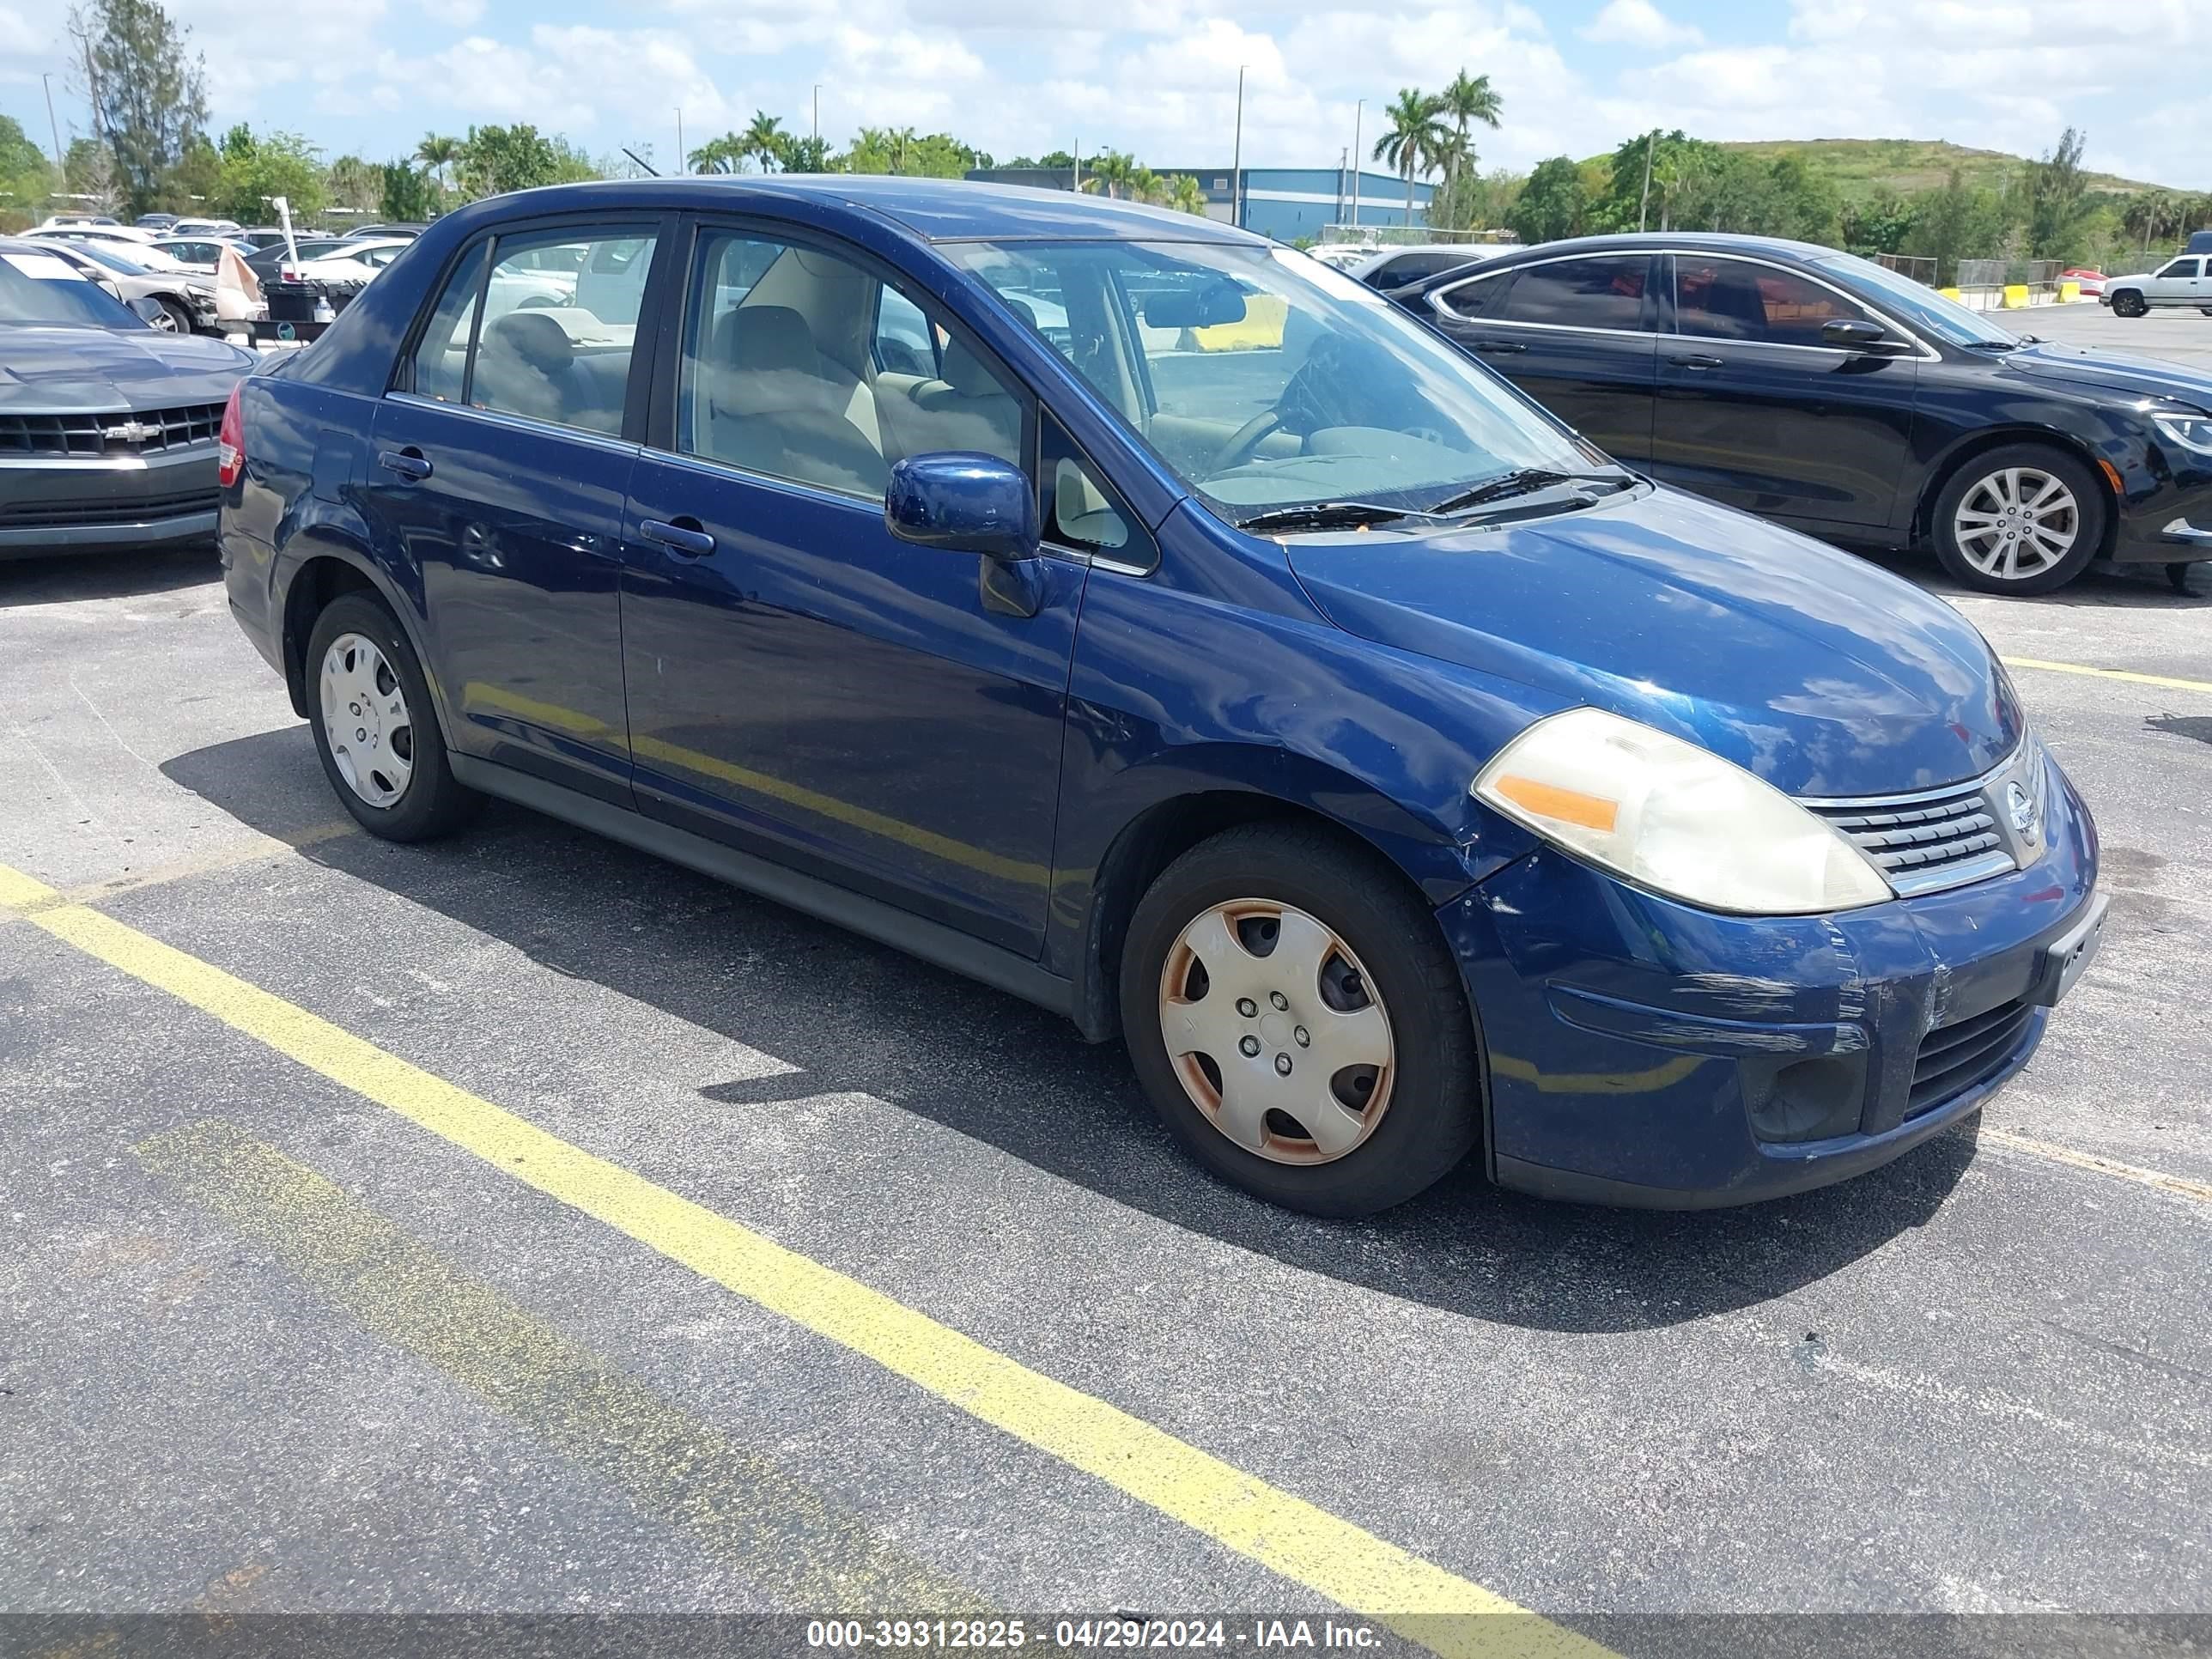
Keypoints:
(683, 159)
(1359, 159)
(55, 125)
(1236, 158)
(818, 115)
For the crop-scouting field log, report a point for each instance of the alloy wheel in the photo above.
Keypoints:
(167, 322)
(2016, 523)
(1276, 1031)
(365, 720)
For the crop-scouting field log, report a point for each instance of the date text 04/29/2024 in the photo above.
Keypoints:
(1121, 1632)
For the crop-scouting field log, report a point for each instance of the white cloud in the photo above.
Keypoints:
(1639, 23)
(566, 78)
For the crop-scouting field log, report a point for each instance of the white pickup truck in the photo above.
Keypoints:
(2185, 281)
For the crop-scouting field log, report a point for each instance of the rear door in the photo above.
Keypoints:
(1757, 410)
(1578, 334)
(499, 468)
(800, 681)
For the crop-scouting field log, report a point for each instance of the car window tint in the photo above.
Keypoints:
(1081, 509)
(1592, 293)
(441, 357)
(2181, 268)
(785, 371)
(550, 348)
(1732, 299)
(1483, 297)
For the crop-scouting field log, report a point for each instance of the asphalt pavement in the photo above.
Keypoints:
(519, 1224)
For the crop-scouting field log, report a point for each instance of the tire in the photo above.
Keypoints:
(390, 770)
(2051, 542)
(2177, 576)
(175, 319)
(1368, 953)
(2129, 303)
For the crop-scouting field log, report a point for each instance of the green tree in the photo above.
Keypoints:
(902, 150)
(1464, 100)
(256, 169)
(194, 179)
(808, 155)
(494, 160)
(27, 176)
(147, 91)
(1952, 222)
(1879, 226)
(437, 152)
(1110, 172)
(724, 155)
(407, 195)
(1552, 204)
(350, 182)
(2054, 193)
(763, 141)
(1413, 139)
(1187, 194)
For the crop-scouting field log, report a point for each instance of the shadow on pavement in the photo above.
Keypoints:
(854, 1016)
(62, 578)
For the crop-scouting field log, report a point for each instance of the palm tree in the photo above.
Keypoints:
(763, 140)
(1112, 172)
(1187, 196)
(438, 153)
(1470, 99)
(1414, 137)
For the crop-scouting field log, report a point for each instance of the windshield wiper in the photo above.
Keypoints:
(1328, 515)
(1523, 480)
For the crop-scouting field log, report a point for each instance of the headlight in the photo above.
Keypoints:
(1674, 817)
(2189, 431)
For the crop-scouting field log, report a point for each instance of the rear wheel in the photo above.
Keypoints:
(1297, 1022)
(2129, 303)
(374, 726)
(175, 319)
(2024, 518)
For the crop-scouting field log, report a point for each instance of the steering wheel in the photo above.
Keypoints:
(1244, 441)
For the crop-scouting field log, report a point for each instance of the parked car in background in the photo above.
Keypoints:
(155, 222)
(350, 261)
(2182, 282)
(107, 426)
(1343, 256)
(185, 302)
(1396, 267)
(59, 220)
(266, 265)
(401, 230)
(202, 254)
(1826, 392)
(2091, 282)
(139, 244)
(204, 228)
(263, 236)
(1397, 775)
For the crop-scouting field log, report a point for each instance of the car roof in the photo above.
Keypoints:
(1635, 242)
(935, 210)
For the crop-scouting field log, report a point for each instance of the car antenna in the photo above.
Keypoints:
(648, 166)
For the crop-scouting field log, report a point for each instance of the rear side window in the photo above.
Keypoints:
(1483, 297)
(1594, 293)
(1732, 299)
(442, 359)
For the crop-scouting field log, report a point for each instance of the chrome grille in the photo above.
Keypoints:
(140, 432)
(1945, 837)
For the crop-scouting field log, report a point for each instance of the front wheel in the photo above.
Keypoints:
(2128, 305)
(1297, 1022)
(374, 728)
(175, 319)
(2024, 518)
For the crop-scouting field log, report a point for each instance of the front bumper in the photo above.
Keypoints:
(2171, 522)
(90, 504)
(1643, 1052)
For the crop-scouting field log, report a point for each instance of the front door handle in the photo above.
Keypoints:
(1498, 348)
(1698, 360)
(409, 463)
(684, 536)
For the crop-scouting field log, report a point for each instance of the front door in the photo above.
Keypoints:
(1575, 334)
(2181, 282)
(800, 680)
(499, 472)
(1757, 410)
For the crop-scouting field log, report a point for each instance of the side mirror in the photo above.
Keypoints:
(148, 309)
(964, 503)
(1854, 334)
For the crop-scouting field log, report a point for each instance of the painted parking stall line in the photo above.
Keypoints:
(1435, 1608)
(2128, 675)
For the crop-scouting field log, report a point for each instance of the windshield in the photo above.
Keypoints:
(1266, 380)
(1917, 303)
(44, 289)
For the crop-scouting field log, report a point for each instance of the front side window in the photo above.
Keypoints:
(800, 365)
(1264, 379)
(2180, 268)
(1592, 292)
(547, 348)
(1735, 300)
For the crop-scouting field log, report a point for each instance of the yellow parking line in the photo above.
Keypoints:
(1300, 1540)
(2178, 1186)
(790, 1542)
(2128, 675)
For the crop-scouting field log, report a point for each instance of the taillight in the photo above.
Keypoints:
(230, 440)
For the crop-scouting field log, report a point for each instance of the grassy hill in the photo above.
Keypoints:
(1860, 166)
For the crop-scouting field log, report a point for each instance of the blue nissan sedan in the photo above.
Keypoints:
(1148, 621)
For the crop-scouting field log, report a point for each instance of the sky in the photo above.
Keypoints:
(1015, 76)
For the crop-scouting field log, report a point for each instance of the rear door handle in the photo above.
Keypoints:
(409, 463)
(685, 537)
(1498, 348)
(1698, 360)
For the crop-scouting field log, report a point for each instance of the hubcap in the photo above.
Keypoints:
(2016, 522)
(165, 322)
(365, 719)
(1277, 1032)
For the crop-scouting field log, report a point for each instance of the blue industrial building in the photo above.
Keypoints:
(1284, 202)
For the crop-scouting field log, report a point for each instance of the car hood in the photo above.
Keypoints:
(2111, 371)
(1813, 670)
(57, 370)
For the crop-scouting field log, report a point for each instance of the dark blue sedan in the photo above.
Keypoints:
(1149, 622)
